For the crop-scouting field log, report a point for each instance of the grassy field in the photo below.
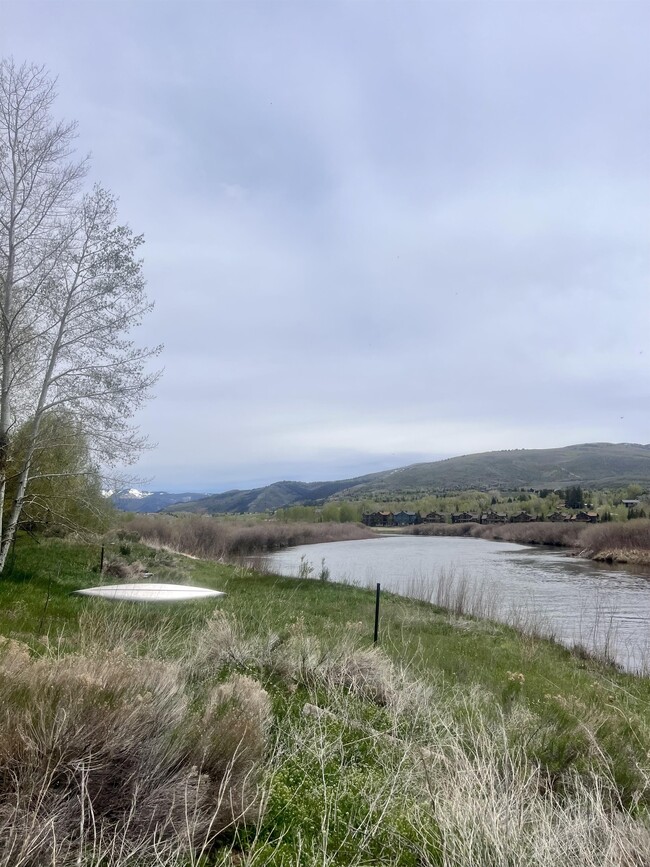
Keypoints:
(266, 728)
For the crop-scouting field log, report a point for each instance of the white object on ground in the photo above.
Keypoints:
(149, 592)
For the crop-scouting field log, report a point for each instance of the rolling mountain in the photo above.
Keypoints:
(592, 465)
(133, 500)
(275, 496)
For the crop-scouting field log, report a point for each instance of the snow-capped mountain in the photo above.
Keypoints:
(134, 500)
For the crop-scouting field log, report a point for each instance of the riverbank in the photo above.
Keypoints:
(618, 555)
(612, 542)
(233, 538)
(458, 741)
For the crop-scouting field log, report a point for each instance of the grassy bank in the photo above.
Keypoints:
(266, 729)
(625, 542)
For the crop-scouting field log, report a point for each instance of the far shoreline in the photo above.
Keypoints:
(623, 543)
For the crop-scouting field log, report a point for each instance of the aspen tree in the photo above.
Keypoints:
(71, 291)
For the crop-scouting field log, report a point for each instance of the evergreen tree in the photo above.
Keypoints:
(573, 498)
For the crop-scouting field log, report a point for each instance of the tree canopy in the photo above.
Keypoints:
(71, 291)
(573, 497)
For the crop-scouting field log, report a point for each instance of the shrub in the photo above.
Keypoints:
(106, 747)
(117, 568)
(622, 536)
(535, 533)
(214, 539)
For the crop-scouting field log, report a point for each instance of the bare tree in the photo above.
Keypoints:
(71, 290)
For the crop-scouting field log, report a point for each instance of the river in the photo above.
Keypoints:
(604, 608)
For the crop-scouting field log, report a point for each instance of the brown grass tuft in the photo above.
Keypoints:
(107, 747)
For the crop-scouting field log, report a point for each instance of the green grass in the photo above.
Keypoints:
(565, 714)
(35, 602)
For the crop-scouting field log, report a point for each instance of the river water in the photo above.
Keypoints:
(603, 608)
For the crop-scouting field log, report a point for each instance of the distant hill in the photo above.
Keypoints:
(592, 465)
(133, 500)
(275, 496)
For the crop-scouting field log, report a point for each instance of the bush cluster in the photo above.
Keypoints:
(535, 533)
(628, 536)
(212, 539)
(382, 767)
(593, 539)
(104, 755)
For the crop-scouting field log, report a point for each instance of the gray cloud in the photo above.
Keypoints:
(376, 232)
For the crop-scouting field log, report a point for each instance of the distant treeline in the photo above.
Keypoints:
(403, 518)
(616, 505)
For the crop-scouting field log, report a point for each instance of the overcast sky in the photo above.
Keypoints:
(376, 232)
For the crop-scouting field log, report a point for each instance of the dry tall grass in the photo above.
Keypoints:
(490, 804)
(536, 533)
(624, 536)
(593, 540)
(386, 768)
(109, 759)
(106, 759)
(212, 539)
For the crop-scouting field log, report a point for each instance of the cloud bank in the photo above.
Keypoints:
(375, 232)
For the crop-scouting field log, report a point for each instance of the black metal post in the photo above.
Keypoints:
(101, 561)
(377, 614)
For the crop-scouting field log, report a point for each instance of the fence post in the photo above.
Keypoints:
(101, 561)
(377, 614)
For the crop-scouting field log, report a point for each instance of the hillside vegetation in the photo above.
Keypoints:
(592, 465)
(269, 498)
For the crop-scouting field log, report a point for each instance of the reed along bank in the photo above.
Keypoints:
(615, 542)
